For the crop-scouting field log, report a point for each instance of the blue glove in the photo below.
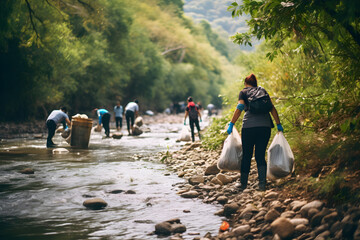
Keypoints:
(230, 128)
(185, 122)
(200, 120)
(279, 127)
(66, 128)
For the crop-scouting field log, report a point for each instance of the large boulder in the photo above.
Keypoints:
(282, 227)
(95, 203)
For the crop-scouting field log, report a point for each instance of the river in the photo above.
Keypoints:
(48, 203)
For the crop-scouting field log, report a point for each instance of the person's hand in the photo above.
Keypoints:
(230, 128)
(279, 127)
(66, 128)
(185, 122)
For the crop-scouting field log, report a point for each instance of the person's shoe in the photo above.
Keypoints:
(240, 187)
(262, 187)
(51, 145)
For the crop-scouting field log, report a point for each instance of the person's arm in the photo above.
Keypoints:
(239, 108)
(99, 118)
(199, 114)
(275, 115)
(186, 114)
(136, 114)
(68, 122)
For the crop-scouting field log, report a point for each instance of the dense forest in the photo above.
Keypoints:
(309, 63)
(86, 54)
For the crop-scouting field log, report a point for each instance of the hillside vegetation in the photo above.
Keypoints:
(309, 65)
(87, 54)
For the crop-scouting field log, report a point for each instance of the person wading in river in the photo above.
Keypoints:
(131, 112)
(104, 119)
(256, 129)
(193, 112)
(118, 110)
(55, 117)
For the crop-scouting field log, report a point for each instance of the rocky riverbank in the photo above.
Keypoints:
(252, 214)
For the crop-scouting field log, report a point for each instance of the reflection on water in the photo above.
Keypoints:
(48, 204)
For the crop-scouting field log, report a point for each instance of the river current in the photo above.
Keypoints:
(48, 203)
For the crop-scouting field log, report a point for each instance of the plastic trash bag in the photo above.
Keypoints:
(231, 154)
(281, 158)
(185, 134)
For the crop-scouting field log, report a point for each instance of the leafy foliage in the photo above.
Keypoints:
(87, 54)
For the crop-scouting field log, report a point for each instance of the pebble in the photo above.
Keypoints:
(95, 203)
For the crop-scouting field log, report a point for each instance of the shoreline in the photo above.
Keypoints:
(252, 214)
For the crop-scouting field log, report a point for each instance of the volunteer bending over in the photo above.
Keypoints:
(255, 132)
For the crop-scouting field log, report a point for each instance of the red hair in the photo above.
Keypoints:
(251, 80)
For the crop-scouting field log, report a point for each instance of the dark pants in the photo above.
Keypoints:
(51, 126)
(105, 119)
(196, 123)
(130, 118)
(257, 137)
(118, 121)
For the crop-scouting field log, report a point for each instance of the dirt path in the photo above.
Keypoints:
(253, 214)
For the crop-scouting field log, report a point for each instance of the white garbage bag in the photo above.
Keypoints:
(185, 134)
(281, 158)
(231, 154)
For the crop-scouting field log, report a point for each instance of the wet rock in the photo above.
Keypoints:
(178, 228)
(222, 200)
(317, 218)
(335, 228)
(130, 192)
(299, 221)
(60, 151)
(271, 195)
(324, 235)
(95, 203)
(117, 135)
(283, 227)
(27, 171)
(314, 204)
(272, 215)
(330, 218)
(212, 170)
(116, 191)
(312, 212)
(301, 228)
(137, 131)
(190, 194)
(163, 228)
(230, 208)
(215, 181)
(196, 180)
(38, 135)
(241, 230)
(288, 214)
(223, 178)
(297, 205)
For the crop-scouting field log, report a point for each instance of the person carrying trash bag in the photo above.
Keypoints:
(193, 112)
(256, 128)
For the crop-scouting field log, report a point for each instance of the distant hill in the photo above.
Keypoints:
(215, 12)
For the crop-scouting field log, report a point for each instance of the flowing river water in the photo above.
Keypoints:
(48, 204)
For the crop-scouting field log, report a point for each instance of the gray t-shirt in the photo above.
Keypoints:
(251, 120)
(57, 116)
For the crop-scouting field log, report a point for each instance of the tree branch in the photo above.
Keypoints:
(170, 50)
(31, 13)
